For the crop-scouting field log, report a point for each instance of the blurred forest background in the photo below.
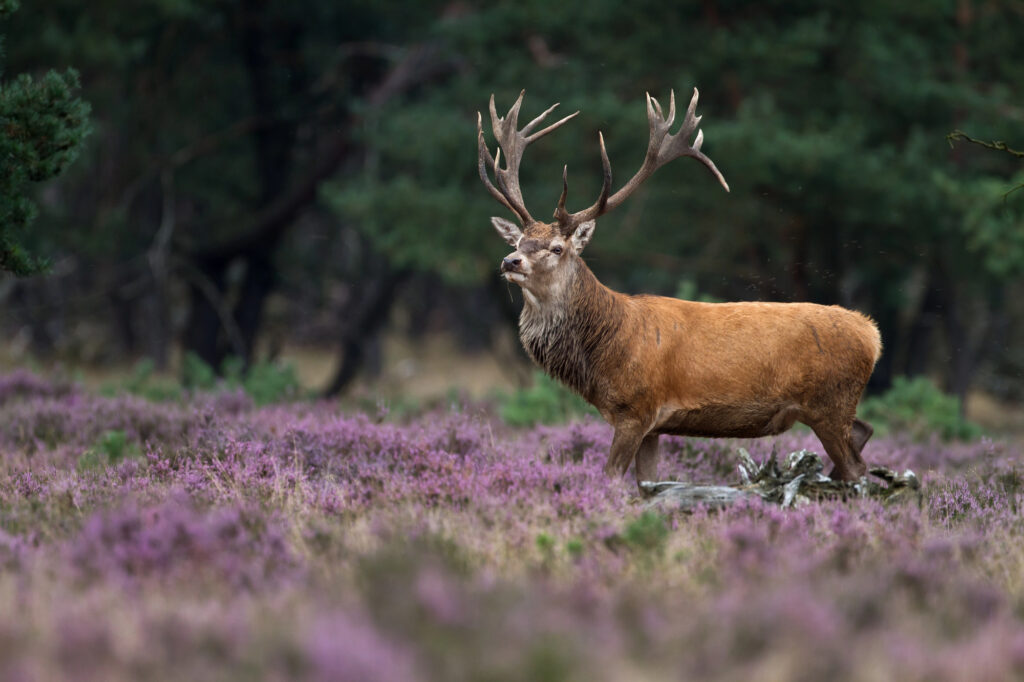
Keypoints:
(260, 176)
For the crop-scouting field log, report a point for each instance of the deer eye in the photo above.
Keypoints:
(557, 250)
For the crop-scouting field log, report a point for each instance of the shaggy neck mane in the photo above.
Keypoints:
(572, 333)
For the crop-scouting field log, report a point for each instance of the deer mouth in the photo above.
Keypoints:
(511, 270)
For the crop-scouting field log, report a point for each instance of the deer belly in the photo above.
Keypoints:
(728, 421)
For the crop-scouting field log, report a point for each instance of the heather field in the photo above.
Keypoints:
(210, 539)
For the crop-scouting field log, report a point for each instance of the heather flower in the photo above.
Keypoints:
(22, 384)
(306, 542)
(14, 551)
(174, 539)
(343, 649)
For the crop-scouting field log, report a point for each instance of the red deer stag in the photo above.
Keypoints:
(654, 365)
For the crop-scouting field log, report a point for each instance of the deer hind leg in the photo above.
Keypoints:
(647, 460)
(839, 444)
(860, 433)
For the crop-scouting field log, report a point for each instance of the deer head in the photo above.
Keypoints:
(546, 252)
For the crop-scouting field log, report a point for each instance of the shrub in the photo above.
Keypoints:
(111, 448)
(196, 374)
(144, 383)
(916, 407)
(264, 382)
(647, 535)
(267, 383)
(546, 402)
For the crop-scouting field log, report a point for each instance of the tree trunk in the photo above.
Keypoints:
(798, 260)
(203, 333)
(282, 199)
(920, 338)
(365, 316)
(259, 281)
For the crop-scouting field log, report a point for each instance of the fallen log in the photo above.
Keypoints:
(798, 481)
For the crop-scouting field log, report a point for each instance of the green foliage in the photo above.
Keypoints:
(687, 290)
(828, 120)
(268, 382)
(91, 460)
(545, 543)
(42, 125)
(265, 382)
(143, 382)
(196, 374)
(546, 402)
(546, 546)
(647, 534)
(916, 407)
(993, 224)
(115, 445)
(549, 661)
(110, 449)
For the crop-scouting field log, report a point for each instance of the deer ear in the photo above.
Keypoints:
(581, 237)
(508, 230)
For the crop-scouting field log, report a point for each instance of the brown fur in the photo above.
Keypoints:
(654, 365)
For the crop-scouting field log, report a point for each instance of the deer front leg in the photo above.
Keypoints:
(625, 444)
(647, 460)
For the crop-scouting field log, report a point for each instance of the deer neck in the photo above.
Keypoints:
(573, 330)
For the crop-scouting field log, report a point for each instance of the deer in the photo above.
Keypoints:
(654, 365)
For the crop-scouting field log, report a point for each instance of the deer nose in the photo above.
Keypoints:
(510, 264)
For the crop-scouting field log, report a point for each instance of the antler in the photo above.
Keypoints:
(569, 221)
(661, 149)
(512, 142)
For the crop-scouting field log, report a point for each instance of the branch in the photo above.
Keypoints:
(422, 63)
(998, 145)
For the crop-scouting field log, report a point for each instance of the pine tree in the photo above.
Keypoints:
(42, 125)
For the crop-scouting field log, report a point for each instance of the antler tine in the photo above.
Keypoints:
(680, 147)
(691, 120)
(569, 221)
(499, 124)
(553, 126)
(653, 102)
(560, 213)
(529, 126)
(671, 108)
(658, 128)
